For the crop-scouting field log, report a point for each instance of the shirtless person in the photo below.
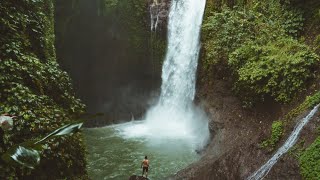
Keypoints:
(145, 166)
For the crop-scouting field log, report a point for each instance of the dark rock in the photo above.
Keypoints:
(135, 177)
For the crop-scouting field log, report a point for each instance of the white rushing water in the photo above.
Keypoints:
(175, 116)
(264, 170)
(112, 157)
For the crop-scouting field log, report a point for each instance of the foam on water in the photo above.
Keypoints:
(174, 127)
(175, 116)
(113, 157)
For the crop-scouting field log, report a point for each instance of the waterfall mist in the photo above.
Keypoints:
(175, 116)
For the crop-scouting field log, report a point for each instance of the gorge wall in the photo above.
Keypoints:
(248, 118)
(246, 135)
(258, 74)
(111, 54)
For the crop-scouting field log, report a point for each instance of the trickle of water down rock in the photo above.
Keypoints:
(264, 170)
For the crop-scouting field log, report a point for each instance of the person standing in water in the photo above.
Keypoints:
(145, 166)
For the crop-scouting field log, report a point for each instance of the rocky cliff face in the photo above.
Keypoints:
(234, 151)
(111, 54)
(159, 12)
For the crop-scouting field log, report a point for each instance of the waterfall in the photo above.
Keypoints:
(179, 69)
(175, 116)
(264, 170)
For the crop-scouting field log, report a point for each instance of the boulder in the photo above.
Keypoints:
(135, 177)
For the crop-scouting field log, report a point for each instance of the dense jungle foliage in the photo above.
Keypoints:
(310, 161)
(271, 49)
(33, 88)
(261, 45)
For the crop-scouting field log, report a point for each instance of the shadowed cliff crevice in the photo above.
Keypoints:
(108, 52)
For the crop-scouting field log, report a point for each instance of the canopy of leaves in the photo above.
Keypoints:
(310, 161)
(258, 45)
(33, 87)
(279, 69)
(27, 153)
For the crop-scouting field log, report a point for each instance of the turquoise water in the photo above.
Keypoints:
(112, 155)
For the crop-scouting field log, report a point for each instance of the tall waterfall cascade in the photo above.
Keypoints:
(175, 116)
(264, 170)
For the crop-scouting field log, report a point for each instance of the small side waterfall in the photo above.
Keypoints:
(158, 13)
(264, 170)
(154, 14)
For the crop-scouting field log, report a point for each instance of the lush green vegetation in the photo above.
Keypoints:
(309, 103)
(309, 158)
(310, 161)
(279, 127)
(258, 45)
(271, 49)
(33, 87)
(276, 134)
(279, 69)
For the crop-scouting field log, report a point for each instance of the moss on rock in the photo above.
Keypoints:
(276, 134)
